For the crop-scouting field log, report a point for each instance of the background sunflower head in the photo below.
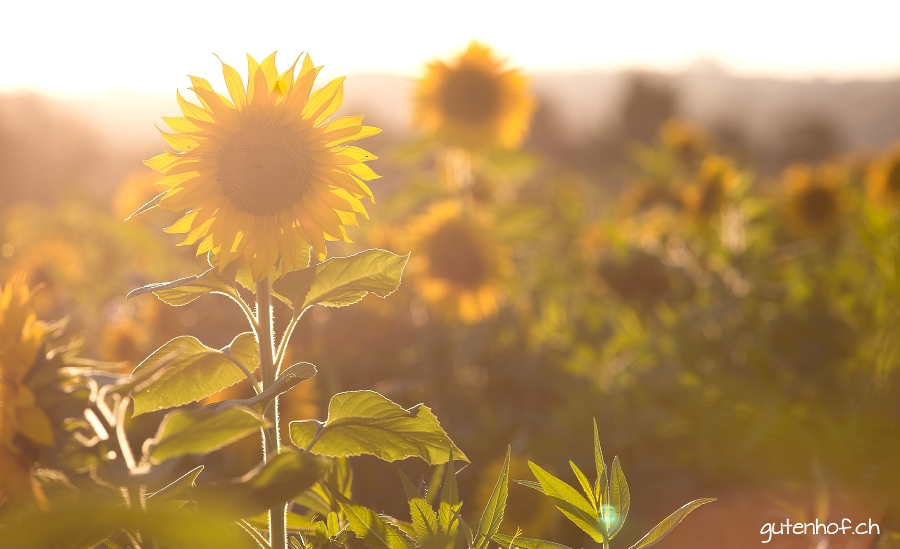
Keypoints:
(456, 263)
(816, 200)
(684, 138)
(24, 425)
(265, 173)
(883, 178)
(715, 178)
(473, 101)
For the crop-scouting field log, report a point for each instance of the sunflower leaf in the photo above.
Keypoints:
(510, 542)
(289, 378)
(185, 370)
(185, 290)
(282, 478)
(365, 422)
(619, 500)
(572, 504)
(493, 512)
(342, 281)
(373, 530)
(202, 431)
(663, 528)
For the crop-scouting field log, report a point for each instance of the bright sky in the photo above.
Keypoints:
(88, 46)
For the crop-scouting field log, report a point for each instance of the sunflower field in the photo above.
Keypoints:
(259, 341)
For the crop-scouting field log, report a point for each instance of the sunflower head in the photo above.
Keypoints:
(456, 263)
(24, 425)
(685, 139)
(883, 178)
(816, 201)
(265, 173)
(473, 101)
(714, 179)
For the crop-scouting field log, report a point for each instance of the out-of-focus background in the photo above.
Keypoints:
(738, 344)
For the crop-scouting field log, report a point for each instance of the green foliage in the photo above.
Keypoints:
(280, 479)
(365, 422)
(185, 370)
(202, 431)
(669, 523)
(185, 290)
(493, 512)
(342, 281)
(374, 531)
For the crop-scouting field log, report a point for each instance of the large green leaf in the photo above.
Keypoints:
(509, 542)
(619, 500)
(373, 530)
(493, 512)
(202, 431)
(185, 290)
(282, 478)
(185, 370)
(342, 281)
(365, 422)
(572, 504)
(670, 522)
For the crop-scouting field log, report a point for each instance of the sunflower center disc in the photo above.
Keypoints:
(264, 169)
(455, 255)
(470, 96)
(819, 205)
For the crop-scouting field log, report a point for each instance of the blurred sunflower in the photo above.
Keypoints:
(124, 341)
(472, 101)
(643, 196)
(883, 178)
(637, 278)
(684, 138)
(816, 201)
(707, 195)
(456, 264)
(265, 170)
(23, 424)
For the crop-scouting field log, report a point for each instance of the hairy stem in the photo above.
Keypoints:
(285, 339)
(268, 369)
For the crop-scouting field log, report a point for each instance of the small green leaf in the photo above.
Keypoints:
(493, 512)
(202, 431)
(342, 281)
(670, 522)
(508, 542)
(449, 506)
(585, 484)
(572, 504)
(601, 485)
(181, 486)
(373, 530)
(289, 378)
(295, 522)
(282, 478)
(424, 519)
(531, 484)
(185, 290)
(619, 500)
(319, 499)
(365, 422)
(185, 370)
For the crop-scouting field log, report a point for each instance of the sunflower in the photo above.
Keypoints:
(125, 341)
(883, 179)
(714, 179)
(265, 170)
(684, 138)
(23, 424)
(816, 201)
(456, 264)
(473, 101)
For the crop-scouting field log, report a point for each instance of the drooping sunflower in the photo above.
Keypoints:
(262, 172)
(714, 179)
(473, 101)
(23, 423)
(883, 178)
(816, 200)
(456, 263)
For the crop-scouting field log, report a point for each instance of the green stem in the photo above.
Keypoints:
(268, 369)
(285, 339)
(239, 364)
